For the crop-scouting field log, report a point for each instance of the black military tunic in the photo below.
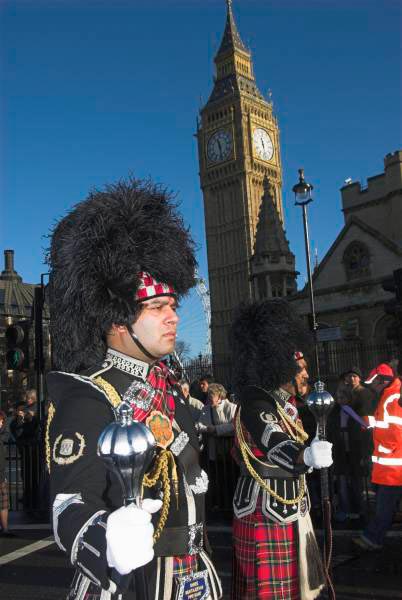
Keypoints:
(269, 440)
(84, 492)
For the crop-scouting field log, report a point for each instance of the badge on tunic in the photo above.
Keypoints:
(193, 587)
(268, 418)
(161, 427)
(68, 447)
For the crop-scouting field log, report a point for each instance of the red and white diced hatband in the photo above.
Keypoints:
(149, 287)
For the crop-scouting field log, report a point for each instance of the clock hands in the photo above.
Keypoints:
(220, 148)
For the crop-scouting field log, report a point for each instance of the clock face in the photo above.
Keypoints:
(219, 146)
(263, 144)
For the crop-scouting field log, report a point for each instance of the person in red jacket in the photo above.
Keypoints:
(386, 424)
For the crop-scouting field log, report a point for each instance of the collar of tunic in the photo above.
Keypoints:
(128, 364)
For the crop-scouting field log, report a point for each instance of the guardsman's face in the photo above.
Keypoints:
(301, 378)
(156, 326)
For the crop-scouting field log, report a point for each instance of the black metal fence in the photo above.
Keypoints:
(222, 473)
(334, 358)
(196, 367)
(27, 478)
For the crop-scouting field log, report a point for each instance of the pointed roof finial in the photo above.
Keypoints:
(231, 39)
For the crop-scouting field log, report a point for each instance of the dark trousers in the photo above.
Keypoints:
(386, 501)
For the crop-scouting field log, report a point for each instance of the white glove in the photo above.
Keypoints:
(318, 455)
(129, 534)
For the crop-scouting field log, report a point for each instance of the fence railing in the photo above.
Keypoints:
(26, 476)
(334, 358)
(196, 367)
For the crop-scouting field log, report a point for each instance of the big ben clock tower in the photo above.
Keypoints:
(238, 145)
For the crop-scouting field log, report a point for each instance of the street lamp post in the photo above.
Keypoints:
(302, 191)
(319, 401)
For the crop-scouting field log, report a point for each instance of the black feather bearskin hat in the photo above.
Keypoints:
(267, 339)
(97, 255)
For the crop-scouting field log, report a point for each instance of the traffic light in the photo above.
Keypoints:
(393, 306)
(17, 352)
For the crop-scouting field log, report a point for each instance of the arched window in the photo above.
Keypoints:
(356, 260)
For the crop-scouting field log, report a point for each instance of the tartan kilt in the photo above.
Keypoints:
(4, 498)
(265, 559)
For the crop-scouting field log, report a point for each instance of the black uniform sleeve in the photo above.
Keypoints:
(78, 477)
(262, 421)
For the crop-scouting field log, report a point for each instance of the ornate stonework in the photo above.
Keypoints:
(238, 144)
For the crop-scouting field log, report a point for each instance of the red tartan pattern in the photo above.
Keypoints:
(265, 559)
(184, 565)
(161, 380)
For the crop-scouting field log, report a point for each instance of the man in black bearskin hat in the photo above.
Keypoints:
(119, 262)
(275, 553)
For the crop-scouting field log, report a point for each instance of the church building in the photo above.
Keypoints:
(347, 283)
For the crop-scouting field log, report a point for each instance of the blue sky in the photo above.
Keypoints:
(94, 90)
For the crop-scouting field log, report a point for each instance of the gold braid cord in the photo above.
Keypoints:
(246, 452)
(161, 466)
(161, 471)
(111, 393)
(50, 414)
(300, 435)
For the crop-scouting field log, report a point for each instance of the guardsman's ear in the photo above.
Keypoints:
(117, 330)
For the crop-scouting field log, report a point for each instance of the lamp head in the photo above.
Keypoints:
(302, 190)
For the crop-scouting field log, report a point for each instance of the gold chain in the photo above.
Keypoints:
(50, 414)
(245, 450)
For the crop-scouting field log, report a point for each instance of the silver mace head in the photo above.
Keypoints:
(320, 403)
(127, 447)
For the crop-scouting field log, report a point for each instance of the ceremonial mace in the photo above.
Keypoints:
(320, 403)
(127, 448)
